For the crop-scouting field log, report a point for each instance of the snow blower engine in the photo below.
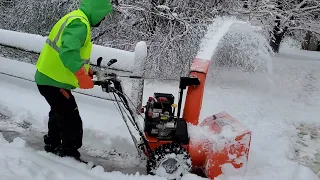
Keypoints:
(171, 149)
(160, 120)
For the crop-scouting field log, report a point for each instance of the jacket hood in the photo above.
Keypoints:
(96, 10)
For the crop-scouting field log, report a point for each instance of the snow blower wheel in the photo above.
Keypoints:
(170, 160)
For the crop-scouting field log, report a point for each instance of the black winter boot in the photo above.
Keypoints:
(69, 152)
(50, 144)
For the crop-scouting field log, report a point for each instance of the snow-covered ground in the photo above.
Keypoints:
(277, 150)
(280, 108)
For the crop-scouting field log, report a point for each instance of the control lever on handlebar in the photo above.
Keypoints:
(103, 72)
(99, 60)
(112, 61)
(104, 78)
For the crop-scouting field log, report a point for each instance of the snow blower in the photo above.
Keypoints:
(176, 144)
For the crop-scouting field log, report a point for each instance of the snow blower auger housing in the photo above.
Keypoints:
(176, 145)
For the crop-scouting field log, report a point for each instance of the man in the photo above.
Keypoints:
(63, 65)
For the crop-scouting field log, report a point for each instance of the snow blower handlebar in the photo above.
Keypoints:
(104, 78)
(111, 83)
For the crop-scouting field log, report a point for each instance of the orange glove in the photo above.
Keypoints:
(84, 79)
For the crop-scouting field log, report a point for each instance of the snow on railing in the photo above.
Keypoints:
(127, 60)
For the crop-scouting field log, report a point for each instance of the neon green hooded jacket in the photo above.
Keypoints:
(73, 38)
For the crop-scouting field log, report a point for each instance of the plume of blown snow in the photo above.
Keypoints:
(242, 58)
(245, 48)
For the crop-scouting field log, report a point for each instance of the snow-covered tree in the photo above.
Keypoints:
(172, 29)
(285, 17)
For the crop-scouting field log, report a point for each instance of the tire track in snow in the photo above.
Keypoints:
(307, 139)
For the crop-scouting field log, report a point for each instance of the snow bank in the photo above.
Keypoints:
(18, 160)
(34, 43)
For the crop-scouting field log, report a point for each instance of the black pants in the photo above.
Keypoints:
(65, 123)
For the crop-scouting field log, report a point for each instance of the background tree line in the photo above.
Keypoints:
(172, 29)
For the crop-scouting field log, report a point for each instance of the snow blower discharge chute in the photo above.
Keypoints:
(176, 144)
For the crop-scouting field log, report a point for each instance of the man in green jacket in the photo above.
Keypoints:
(63, 65)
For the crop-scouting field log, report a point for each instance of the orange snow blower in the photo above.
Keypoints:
(175, 145)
